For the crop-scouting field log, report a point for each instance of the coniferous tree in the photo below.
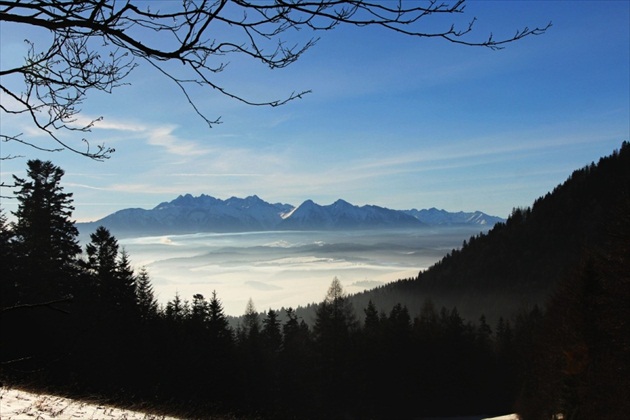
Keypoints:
(43, 276)
(296, 335)
(297, 362)
(335, 324)
(579, 364)
(270, 345)
(8, 280)
(199, 312)
(102, 254)
(372, 363)
(371, 324)
(100, 269)
(176, 309)
(254, 367)
(125, 286)
(111, 311)
(147, 304)
(484, 332)
(335, 316)
(220, 354)
(218, 324)
(111, 274)
(271, 332)
(45, 236)
(399, 323)
(251, 322)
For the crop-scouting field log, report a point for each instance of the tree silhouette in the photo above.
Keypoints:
(44, 271)
(271, 333)
(93, 45)
(8, 282)
(176, 310)
(110, 270)
(372, 324)
(102, 262)
(46, 241)
(199, 311)
(125, 285)
(218, 324)
(335, 324)
(250, 329)
(147, 304)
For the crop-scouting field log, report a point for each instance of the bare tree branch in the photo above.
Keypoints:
(48, 304)
(94, 45)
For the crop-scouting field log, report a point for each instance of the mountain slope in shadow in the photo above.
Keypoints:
(517, 264)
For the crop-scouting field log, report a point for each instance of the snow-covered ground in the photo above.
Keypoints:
(21, 405)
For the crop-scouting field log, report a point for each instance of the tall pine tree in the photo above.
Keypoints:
(38, 329)
(45, 236)
(147, 304)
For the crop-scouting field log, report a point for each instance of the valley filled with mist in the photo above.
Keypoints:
(287, 268)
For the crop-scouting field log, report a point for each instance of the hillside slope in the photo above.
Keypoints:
(518, 263)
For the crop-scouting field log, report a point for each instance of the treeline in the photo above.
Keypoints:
(87, 324)
(84, 322)
(521, 262)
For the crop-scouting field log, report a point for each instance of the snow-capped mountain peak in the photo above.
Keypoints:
(204, 213)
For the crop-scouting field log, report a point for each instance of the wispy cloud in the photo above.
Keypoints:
(163, 137)
(118, 125)
(159, 135)
(215, 175)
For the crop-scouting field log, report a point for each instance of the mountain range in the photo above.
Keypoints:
(204, 213)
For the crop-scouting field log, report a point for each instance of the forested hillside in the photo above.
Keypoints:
(85, 323)
(518, 264)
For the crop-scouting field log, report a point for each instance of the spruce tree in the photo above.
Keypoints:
(125, 286)
(8, 292)
(217, 323)
(113, 279)
(147, 304)
(102, 255)
(251, 322)
(45, 236)
(271, 333)
(335, 317)
(199, 311)
(176, 310)
(102, 251)
(335, 324)
(372, 322)
(43, 275)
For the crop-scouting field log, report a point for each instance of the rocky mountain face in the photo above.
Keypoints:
(343, 215)
(204, 213)
(435, 216)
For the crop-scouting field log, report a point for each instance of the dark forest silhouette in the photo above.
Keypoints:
(86, 323)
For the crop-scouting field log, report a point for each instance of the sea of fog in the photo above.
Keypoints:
(287, 268)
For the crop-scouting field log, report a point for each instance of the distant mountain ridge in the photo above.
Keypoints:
(435, 216)
(204, 213)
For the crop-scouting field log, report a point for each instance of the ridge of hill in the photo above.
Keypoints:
(517, 264)
(189, 214)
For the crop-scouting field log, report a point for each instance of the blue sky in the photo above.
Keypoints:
(392, 121)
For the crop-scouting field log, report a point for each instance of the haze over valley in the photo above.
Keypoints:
(282, 255)
(287, 268)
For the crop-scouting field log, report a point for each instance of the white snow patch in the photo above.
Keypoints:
(17, 405)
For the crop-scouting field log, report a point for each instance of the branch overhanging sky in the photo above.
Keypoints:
(392, 121)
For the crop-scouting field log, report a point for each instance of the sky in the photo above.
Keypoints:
(392, 121)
